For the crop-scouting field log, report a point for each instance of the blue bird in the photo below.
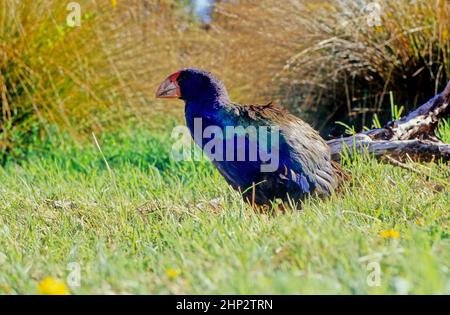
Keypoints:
(261, 150)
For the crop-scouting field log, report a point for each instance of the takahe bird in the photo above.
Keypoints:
(303, 162)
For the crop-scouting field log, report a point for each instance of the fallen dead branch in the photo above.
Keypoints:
(412, 136)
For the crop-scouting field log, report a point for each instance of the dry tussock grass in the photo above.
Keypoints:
(319, 58)
(322, 58)
(82, 78)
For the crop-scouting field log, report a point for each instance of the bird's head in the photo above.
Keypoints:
(192, 85)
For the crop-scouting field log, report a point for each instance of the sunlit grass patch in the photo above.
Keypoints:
(153, 228)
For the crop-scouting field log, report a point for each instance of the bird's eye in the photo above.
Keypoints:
(181, 77)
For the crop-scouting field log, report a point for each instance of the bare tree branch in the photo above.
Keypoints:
(413, 135)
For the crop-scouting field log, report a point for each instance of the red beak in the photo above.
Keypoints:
(169, 88)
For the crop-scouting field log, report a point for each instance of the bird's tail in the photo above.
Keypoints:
(340, 174)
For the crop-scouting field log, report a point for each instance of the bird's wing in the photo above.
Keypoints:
(306, 157)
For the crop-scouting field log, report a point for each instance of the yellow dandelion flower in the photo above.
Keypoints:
(113, 3)
(5, 289)
(172, 273)
(52, 286)
(391, 233)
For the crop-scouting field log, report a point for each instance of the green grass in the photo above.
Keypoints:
(127, 227)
